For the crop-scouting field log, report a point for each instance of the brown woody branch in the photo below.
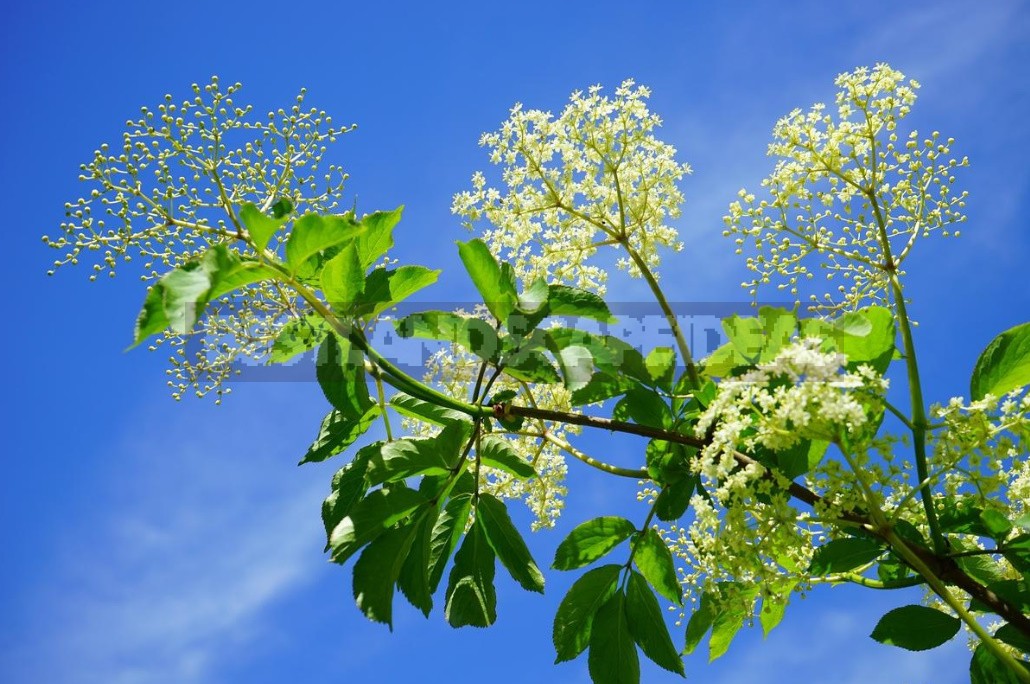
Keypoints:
(942, 566)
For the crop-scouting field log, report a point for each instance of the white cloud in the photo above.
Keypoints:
(170, 574)
(937, 40)
(832, 645)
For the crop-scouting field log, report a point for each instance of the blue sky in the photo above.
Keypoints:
(149, 542)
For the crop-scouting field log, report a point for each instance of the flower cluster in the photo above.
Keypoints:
(745, 529)
(847, 189)
(172, 191)
(595, 175)
(980, 449)
(804, 393)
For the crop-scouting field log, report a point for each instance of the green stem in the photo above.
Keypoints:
(883, 529)
(382, 402)
(394, 375)
(919, 422)
(636, 541)
(869, 583)
(670, 316)
(941, 590)
(639, 474)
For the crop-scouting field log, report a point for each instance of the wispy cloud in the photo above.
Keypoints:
(940, 40)
(176, 567)
(832, 645)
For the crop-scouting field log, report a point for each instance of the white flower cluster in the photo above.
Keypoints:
(847, 190)
(804, 393)
(981, 448)
(593, 176)
(979, 456)
(745, 528)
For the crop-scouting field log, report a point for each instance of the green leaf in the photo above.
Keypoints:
(647, 626)
(841, 555)
(611, 355)
(510, 422)
(674, 499)
(337, 433)
(385, 288)
(533, 299)
(1018, 543)
(563, 300)
(654, 560)
(876, 347)
(349, 486)
(474, 334)
(910, 533)
(915, 628)
(298, 336)
(507, 543)
(370, 517)
(891, 568)
(774, 607)
(531, 365)
(530, 310)
(661, 364)
(574, 620)
(340, 371)
(282, 207)
(1004, 365)
(982, 568)
(497, 452)
(577, 365)
(800, 458)
(996, 523)
(796, 460)
(260, 227)
(986, 668)
(447, 530)
(591, 540)
(377, 570)
(471, 598)
(413, 579)
(495, 286)
(151, 318)
(404, 458)
(727, 623)
(178, 299)
(1011, 635)
(229, 272)
(312, 235)
(644, 407)
(613, 655)
(962, 514)
(668, 463)
(426, 412)
(1017, 552)
(600, 387)
(1016, 592)
(343, 279)
(853, 323)
(700, 622)
(377, 235)
(721, 362)
(778, 327)
(746, 335)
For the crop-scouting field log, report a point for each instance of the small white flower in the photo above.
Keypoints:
(594, 175)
